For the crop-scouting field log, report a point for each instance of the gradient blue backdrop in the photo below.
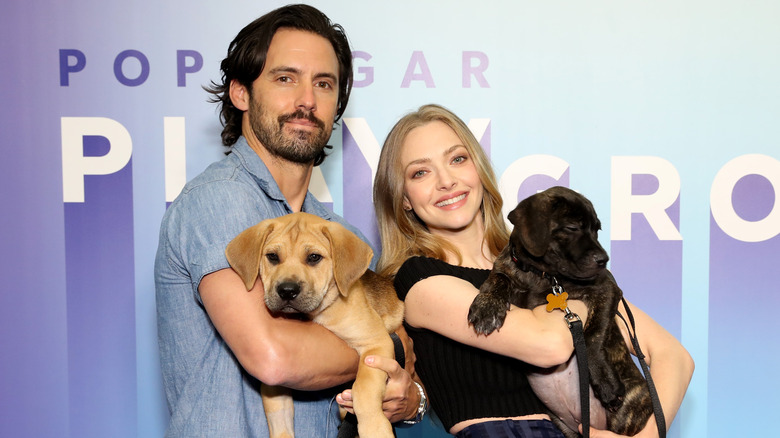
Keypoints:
(616, 99)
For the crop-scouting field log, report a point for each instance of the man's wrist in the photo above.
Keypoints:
(422, 407)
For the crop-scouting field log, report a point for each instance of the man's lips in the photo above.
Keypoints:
(301, 119)
(301, 122)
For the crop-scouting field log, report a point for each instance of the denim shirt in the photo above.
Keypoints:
(209, 394)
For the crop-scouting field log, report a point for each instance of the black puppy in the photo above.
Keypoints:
(555, 240)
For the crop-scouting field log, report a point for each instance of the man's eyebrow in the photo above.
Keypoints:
(284, 69)
(325, 75)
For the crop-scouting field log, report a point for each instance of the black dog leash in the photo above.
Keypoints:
(348, 428)
(578, 336)
(575, 325)
(658, 411)
(660, 420)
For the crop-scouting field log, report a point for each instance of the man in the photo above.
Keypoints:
(286, 81)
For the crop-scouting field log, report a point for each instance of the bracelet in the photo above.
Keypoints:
(421, 409)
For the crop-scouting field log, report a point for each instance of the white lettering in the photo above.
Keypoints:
(652, 206)
(721, 192)
(318, 187)
(75, 165)
(524, 168)
(175, 157)
(366, 142)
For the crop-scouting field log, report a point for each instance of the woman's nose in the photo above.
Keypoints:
(446, 181)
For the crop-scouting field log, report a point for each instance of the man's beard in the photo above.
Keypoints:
(300, 146)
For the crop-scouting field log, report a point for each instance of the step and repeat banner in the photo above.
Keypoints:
(664, 113)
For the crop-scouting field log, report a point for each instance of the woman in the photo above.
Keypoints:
(439, 213)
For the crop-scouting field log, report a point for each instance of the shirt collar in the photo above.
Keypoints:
(259, 171)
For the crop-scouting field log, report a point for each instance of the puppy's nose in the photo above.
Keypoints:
(601, 259)
(288, 290)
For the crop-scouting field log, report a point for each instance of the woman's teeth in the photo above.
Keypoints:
(451, 200)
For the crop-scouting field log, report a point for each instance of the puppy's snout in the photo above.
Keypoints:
(288, 290)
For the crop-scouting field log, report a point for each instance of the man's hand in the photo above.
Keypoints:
(401, 396)
(408, 351)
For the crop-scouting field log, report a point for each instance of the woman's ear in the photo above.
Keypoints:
(407, 204)
(239, 95)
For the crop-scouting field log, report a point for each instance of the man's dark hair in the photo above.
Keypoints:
(247, 53)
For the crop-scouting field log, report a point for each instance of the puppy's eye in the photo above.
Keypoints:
(313, 259)
(572, 228)
(272, 257)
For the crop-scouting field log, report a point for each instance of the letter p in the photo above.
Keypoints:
(66, 68)
(75, 165)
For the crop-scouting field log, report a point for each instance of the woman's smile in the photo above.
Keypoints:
(450, 201)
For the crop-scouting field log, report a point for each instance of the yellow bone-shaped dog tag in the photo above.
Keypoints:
(557, 301)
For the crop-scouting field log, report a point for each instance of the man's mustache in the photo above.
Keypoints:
(299, 114)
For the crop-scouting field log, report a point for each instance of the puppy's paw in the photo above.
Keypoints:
(610, 393)
(487, 313)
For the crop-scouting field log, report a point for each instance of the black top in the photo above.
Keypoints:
(464, 382)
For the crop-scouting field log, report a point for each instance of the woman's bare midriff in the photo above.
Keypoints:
(464, 424)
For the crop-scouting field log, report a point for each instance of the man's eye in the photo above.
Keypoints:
(324, 84)
(313, 259)
(272, 257)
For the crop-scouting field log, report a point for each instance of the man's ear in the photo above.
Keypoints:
(239, 95)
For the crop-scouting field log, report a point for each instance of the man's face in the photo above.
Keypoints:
(294, 100)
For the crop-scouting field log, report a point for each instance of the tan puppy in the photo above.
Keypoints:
(319, 268)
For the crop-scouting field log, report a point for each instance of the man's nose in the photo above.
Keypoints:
(305, 99)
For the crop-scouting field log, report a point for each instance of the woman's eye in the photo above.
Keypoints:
(459, 159)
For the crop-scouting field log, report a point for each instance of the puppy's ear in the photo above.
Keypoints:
(244, 252)
(531, 220)
(351, 256)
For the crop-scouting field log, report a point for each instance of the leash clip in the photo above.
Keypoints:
(571, 317)
(557, 291)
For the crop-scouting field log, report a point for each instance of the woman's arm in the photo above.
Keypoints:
(670, 365)
(441, 304)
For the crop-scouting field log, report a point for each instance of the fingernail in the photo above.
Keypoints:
(370, 359)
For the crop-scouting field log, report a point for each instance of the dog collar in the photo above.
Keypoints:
(555, 300)
(523, 267)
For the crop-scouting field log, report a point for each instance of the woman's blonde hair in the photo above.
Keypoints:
(403, 234)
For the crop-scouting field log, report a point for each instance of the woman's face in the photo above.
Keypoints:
(441, 183)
